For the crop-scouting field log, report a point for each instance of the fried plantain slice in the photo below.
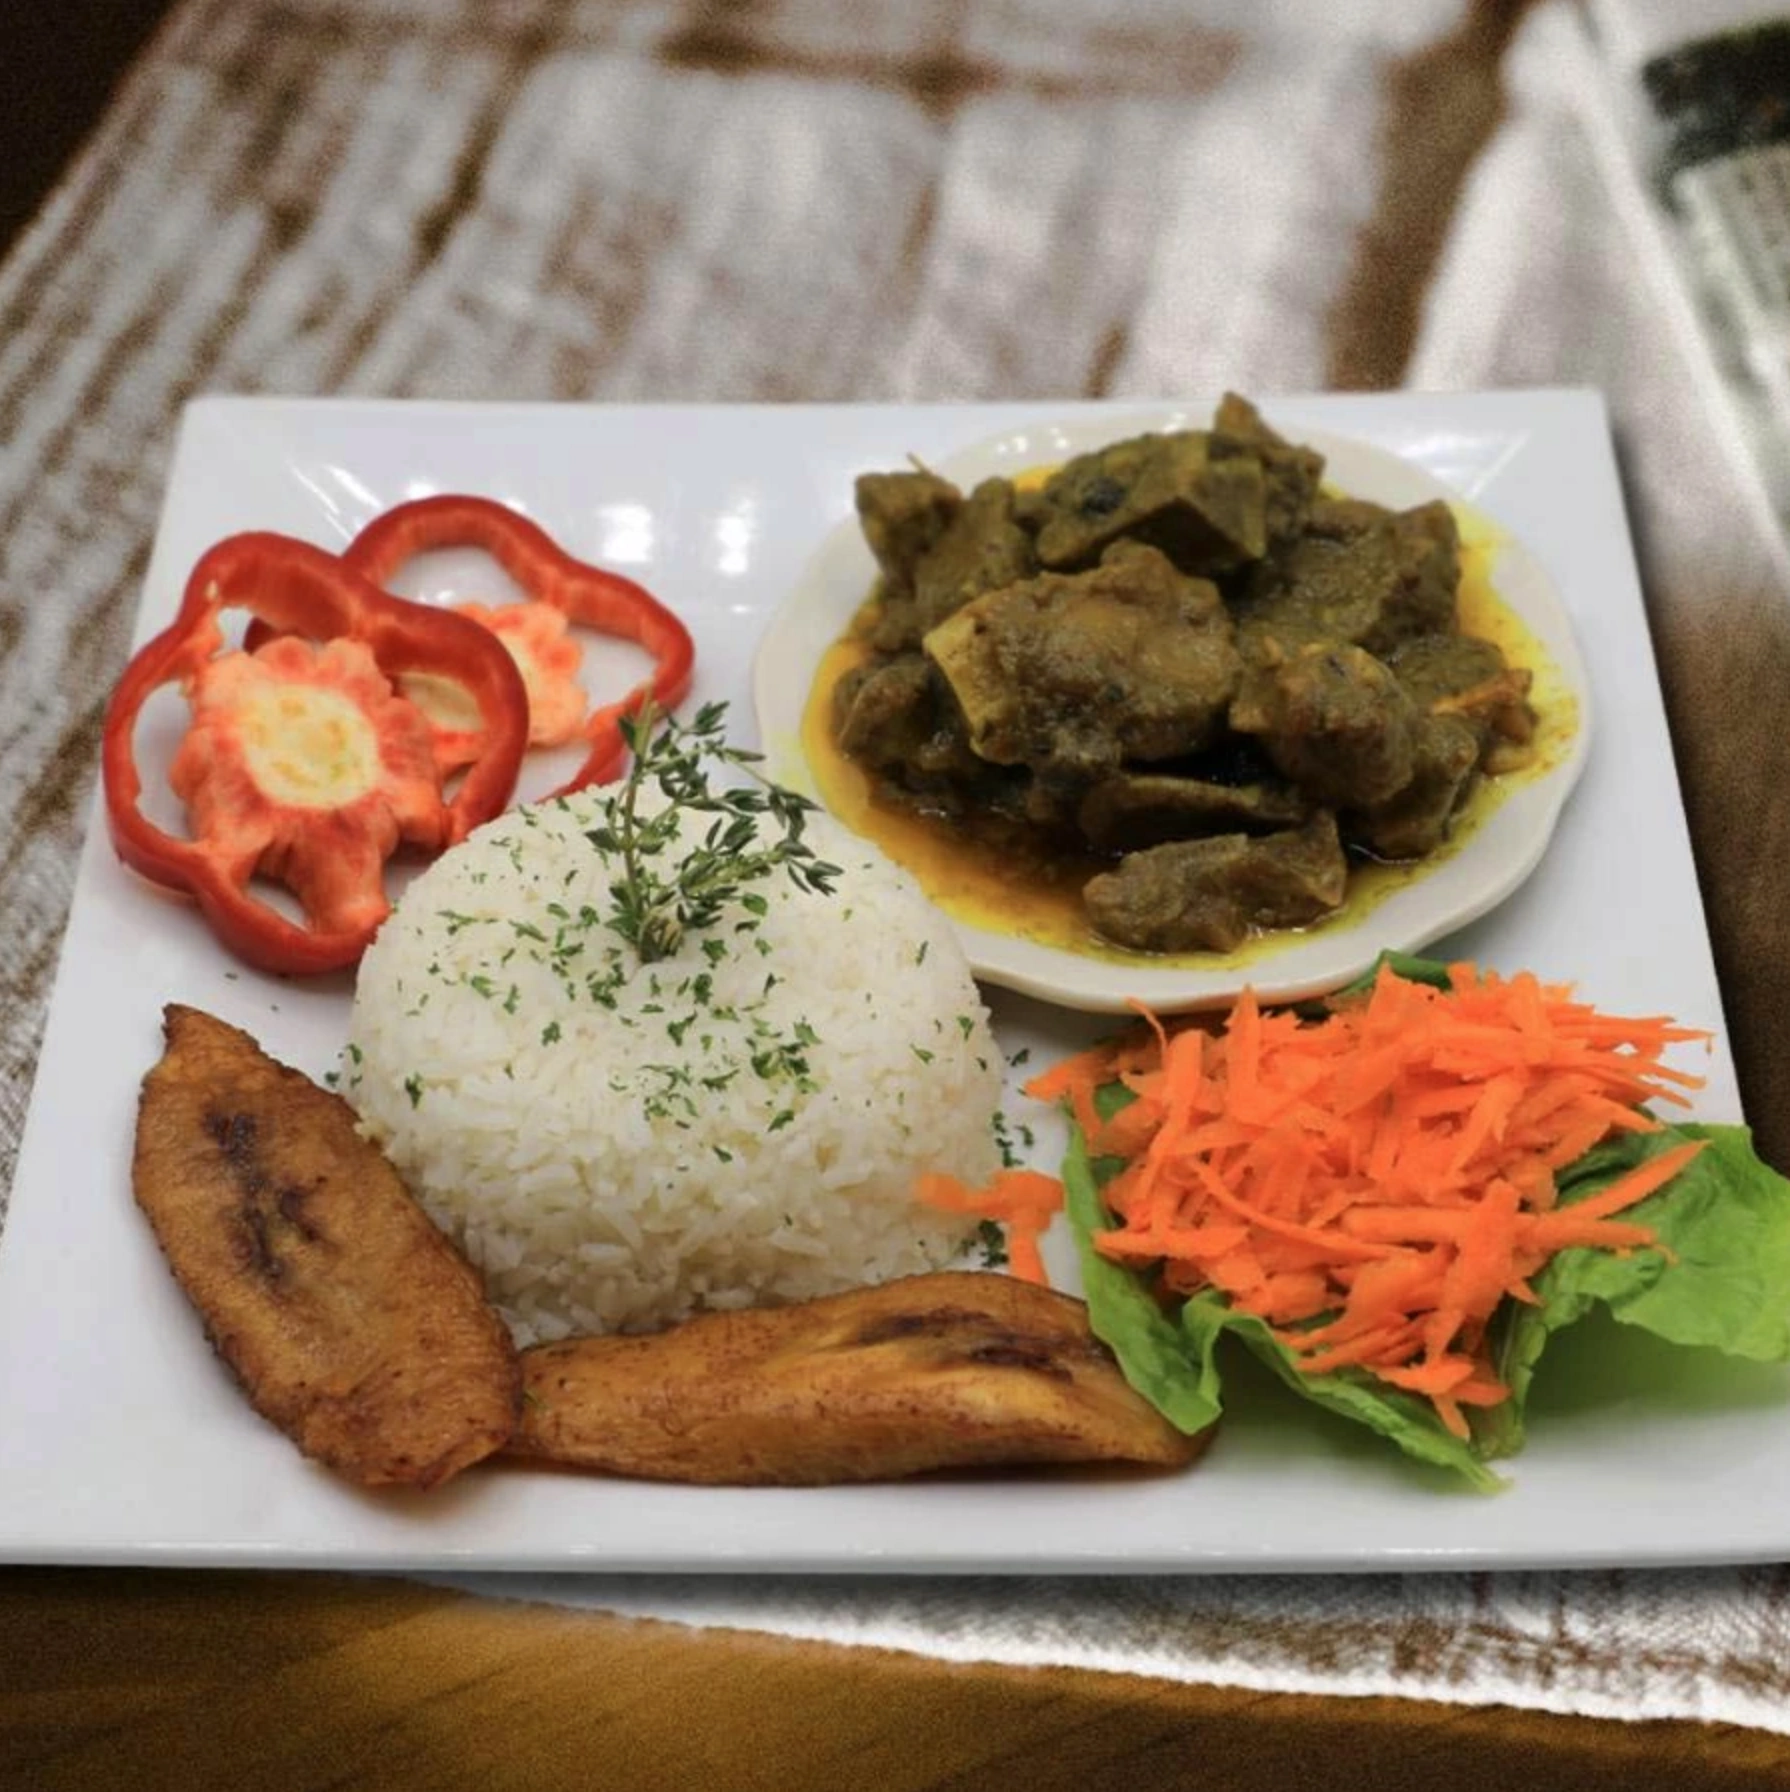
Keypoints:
(955, 1369)
(351, 1322)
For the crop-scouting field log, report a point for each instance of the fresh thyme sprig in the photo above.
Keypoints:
(669, 887)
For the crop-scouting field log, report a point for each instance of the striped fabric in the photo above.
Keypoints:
(792, 200)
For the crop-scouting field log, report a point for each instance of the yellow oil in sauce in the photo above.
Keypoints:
(1039, 899)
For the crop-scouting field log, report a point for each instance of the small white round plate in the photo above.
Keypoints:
(1504, 848)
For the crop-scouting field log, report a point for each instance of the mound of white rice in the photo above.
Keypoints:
(619, 1146)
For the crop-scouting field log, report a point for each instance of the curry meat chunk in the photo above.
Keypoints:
(1334, 719)
(1131, 809)
(1335, 518)
(1199, 497)
(901, 516)
(1415, 820)
(886, 712)
(937, 549)
(1372, 586)
(895, 715)
(1078, 672)
(1461, 675)
(1209, 895)
(1291, 472)
(982, 548)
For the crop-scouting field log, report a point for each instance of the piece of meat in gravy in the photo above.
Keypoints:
(1291, 471)
(1374, 586)
(1332, 718)
(1462, 675)
(1077, 672)
(1418, 818)
(895, 716)
(982, 548)
(950, 1370)
(350, 1321)
(886, 711)
(902, 515)
(1209, 895)
(1132, 809)
(1200, 497)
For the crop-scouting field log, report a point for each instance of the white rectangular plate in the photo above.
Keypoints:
(123, 1439)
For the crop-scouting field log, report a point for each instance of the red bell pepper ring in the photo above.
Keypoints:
(589, 595)
(297, 589)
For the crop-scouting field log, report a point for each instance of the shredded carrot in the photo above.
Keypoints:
(1373, 1183)
(1024, 1200)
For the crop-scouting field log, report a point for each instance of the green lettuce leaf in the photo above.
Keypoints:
(1157, 1357)
(1402, 1419)
(1171, 1359)
(1721, 1282)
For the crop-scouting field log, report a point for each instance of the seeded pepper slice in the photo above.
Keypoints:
(587, 595)
(264, 716)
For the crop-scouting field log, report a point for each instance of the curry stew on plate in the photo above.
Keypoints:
(1177, 678)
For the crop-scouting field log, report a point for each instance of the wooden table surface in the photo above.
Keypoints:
(144, 1677)
(300, 1683)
